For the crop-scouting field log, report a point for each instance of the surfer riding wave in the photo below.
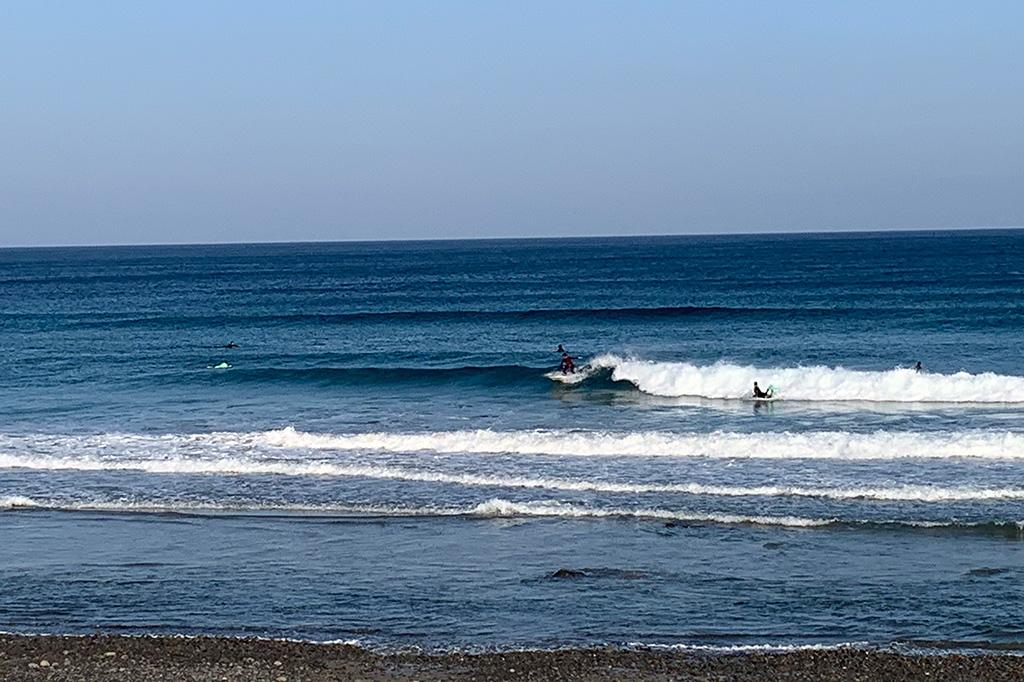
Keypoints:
(567, 366)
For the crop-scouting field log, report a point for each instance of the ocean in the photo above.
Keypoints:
(390, 456)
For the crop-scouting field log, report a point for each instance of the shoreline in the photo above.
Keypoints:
(130, 658)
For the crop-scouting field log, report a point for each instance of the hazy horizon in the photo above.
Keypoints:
(738, 233)
(188, 124)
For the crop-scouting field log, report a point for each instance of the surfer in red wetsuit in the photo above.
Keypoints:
(567, 366)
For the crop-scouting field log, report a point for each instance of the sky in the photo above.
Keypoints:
(190, 122)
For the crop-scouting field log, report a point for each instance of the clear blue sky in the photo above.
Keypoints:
(141, 122)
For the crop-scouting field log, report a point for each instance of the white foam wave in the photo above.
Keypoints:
(16, 502)
(751, 648)
(240, 466)
(493, 508)
(715, 444)
(504, 508)
(276, 444)
(160, 506)
(817, 383)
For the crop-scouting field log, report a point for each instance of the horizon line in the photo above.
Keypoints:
(975, 228)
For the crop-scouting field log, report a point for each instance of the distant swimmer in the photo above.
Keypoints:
(918, 367)
(567, 365)
(758, 393)
(231, 344)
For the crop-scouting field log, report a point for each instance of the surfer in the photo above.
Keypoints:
(918, 367)
(231, 344)
(567, 365)
(758, 393)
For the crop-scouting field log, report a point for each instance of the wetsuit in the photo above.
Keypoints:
(567, 366)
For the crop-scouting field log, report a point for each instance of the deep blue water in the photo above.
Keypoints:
(393, 457)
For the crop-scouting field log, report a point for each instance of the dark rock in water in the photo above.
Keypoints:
(987, 571)
(616, 573)
(568, 573)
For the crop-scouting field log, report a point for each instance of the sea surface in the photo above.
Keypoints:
(390, 455)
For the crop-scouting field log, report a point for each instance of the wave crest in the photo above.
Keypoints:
(714, 444)
(727, 381)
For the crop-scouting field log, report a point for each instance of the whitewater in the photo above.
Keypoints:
(840, 445)
(497, 508)
(726, 381)
(717, 444)
(255, 467)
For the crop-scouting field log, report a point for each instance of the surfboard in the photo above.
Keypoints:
(773, 395)
(576, 377)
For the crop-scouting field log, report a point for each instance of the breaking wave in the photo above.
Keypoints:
(715, 444)
(843, 445)
(726, 381)
(244, 467)
(17, 502)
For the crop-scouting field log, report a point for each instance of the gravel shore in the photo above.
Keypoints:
(221, 659)
(230, 660)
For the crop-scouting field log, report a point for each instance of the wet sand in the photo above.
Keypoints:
(230, 660)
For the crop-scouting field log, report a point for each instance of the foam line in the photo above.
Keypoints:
(493, 508)
(715, 444)
(280, 444)
(238, 466)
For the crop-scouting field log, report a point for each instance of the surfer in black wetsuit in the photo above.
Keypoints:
(231, 344)
(918, 367)
(758, 393)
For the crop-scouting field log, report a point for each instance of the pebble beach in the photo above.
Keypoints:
(201, 659)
